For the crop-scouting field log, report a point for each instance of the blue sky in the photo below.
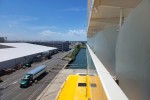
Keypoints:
(43, 19)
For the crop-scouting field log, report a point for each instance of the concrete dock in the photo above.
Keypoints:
(52, 90)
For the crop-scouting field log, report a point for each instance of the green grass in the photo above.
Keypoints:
(75, 52)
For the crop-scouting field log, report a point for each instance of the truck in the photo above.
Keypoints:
(32, 75)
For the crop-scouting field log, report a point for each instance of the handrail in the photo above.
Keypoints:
(112, 90)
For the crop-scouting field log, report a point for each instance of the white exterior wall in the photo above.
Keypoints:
(126, 54)
(7, 64)
(30, 58)
(12, 63)
(133, 53)
(104, 47)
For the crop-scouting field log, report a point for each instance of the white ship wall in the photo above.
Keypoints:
(103, 44)
(104, 47)
(126, 53)
(133, 53)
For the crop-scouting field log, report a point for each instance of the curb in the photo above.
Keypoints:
(44, 91)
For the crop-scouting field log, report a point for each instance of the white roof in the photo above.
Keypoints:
(21, 50)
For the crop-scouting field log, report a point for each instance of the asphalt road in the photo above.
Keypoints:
(10, 87)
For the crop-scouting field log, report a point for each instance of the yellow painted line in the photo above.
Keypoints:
(81, 93)
(97, 92)
(68, 90)
(91, 90)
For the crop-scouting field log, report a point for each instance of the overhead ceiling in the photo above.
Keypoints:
(117, 3)
(106, 13)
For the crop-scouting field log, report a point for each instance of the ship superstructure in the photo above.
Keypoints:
(118, 49)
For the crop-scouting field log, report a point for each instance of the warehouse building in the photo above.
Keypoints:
(3, 39)
(12, 54)
(61, 45)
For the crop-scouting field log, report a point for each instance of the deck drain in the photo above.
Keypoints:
(81, 84)
(82, 74)
(93, 85)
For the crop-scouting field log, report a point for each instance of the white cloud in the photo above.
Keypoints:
(74, 9)
(71, 35)
(18, 18)
(8, 35)
(41, 27)
(27, 18)
(49, 33)
(10, 26)
(16, 21)
(77, 32)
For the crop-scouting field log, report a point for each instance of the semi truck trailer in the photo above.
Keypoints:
(30, 76)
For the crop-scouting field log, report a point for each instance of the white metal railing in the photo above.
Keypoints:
(90, 11)
(112, 90)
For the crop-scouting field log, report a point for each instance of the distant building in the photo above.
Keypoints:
(14, 54)
(60, 45)
(3, 39)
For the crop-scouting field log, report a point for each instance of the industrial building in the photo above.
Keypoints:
(12, 54)
(60, 45)
(3, 39)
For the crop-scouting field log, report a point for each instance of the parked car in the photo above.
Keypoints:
(28, 65)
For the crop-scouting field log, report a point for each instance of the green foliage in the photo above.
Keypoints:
(75, 52)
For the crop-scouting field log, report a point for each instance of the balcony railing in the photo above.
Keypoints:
(110, 88)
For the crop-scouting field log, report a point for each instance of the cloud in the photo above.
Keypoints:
(8, 35)
(78, 32)
(10, 26)
(18, 18)
(16, 21)
(27, 18)
(70, 35)
(49, 33)
(74, 9)
(42, 27)
(17, 27)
